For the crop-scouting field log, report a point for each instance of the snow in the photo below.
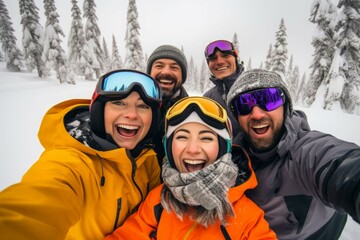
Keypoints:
(25, 98)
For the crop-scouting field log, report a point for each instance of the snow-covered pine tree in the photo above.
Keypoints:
(347, 72)
(235, 42)
(323, 14)
(261, 66)
(205, 76)
(289, 71)
(190, 81)
(106, 57)
(268, 60)
(134, 58)
(92, 35)
(33, 37)
(249, 67)
(279, 55)
(53, 54)
(300, 93)
(2, 59)
(116, 62)
(13, 55)
(294, 83)
(76, 43)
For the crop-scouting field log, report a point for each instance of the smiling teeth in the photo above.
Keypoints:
(165, 81)
(194, 162)
(128, 127)
(260, 126)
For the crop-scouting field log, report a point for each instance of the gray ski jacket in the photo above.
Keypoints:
(307, 183)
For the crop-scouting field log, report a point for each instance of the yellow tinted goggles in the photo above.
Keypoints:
(210, 109)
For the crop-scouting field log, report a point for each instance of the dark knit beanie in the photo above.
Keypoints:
(256, 79)
(170, 52)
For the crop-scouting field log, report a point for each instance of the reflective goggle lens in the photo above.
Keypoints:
(267, 99)
(207, 106)
(222, 45)
(122, 81)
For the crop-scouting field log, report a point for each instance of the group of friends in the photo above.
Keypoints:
(143, 160)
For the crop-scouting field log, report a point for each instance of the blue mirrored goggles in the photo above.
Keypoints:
(268, 99)
(120, 82)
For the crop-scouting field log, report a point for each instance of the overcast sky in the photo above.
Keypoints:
(194, 23)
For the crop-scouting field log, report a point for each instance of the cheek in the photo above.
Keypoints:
(146, 118)
(212, 151)
(109, 118)
(176, 149)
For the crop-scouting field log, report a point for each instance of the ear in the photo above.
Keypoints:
(236, 53)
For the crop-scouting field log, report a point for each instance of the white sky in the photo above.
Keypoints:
(194, 23)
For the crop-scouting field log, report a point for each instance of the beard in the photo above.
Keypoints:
(168, 93)
(264, 144)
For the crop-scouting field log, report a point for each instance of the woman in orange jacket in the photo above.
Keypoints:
(204, 184)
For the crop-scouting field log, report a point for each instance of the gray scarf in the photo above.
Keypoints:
(202, 195)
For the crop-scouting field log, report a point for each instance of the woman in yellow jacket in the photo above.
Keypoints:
(97, 165)
(203, 191)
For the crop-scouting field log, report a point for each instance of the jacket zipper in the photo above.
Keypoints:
(118, 208)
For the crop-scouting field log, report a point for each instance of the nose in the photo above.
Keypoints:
(257, 113)
(131, 112)
(193, 146)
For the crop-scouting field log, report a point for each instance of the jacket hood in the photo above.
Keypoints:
(53, 133)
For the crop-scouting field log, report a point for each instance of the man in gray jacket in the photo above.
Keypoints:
(308, 181)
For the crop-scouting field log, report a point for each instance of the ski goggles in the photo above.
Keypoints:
(121, 82)
(268, 99)
(222, 45)
(208, 110)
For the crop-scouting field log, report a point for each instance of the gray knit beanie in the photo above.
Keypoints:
(171, 52)
(255, 79)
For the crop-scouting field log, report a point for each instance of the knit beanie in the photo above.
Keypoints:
(256, 79)
(170, 52)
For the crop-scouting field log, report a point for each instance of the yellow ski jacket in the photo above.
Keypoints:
(74, 191)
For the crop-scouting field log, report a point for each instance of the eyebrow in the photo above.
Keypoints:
(201, 132)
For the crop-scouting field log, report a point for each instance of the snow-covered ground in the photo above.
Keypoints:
(24, 99)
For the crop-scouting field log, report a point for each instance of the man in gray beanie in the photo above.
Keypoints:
(308, 181)
(168, 66)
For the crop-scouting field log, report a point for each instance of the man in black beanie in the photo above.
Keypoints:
(168, 66)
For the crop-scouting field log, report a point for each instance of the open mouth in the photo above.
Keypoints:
(127, 130)
(165, 81)
(261, 129)
(194, 165)
(222, 69)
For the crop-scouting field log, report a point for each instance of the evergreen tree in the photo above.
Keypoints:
(106, 57)
(33, 37)
(294, 83)
(190, 81)
(92, 35)
(76, 43)
(116, 62)
(2, 59)
(323, 14)
(205, 75)
(268, 60)
(279, 56)
(235, 42)
(345, 72)
(261, 66)
(289, 71)
(249, 67)
(301, 88)
(13, 55)
(53, 54)
(134, 58)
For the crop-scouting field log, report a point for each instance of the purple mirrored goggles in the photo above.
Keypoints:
(222, 45)
(268, 99)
